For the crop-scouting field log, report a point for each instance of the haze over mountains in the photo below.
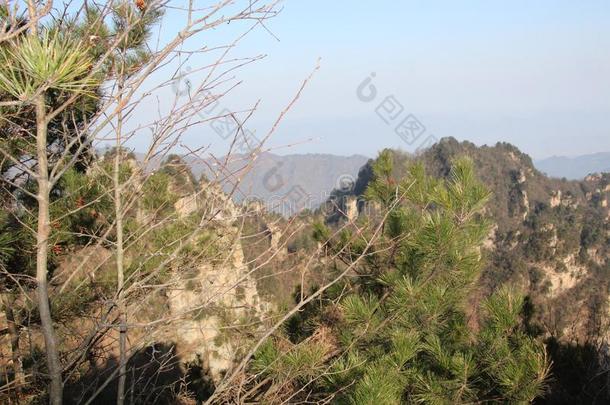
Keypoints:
(575, 168)
(287, 184)
(290, 183)
(305, 181)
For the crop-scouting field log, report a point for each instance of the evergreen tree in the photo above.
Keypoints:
(51, 79)
(401, 327)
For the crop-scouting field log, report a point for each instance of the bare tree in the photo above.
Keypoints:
(100, 59)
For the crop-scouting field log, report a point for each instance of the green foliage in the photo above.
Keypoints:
(135, 23)
(379, 385)
(133, 26)
(51, 61)
(303, 361)
(83, 208)
(157, 196)
(183, 180)
(402, 333)
(302, 241)
(171, 237)
(7, 240)
(320, 232)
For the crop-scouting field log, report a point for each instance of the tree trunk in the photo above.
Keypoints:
(121, 303)
(118, 206)
(42, 252)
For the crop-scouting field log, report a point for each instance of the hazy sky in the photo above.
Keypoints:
(533, 73)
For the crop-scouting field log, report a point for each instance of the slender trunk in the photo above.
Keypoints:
(42, 248)
(13, 331)
(118, 206)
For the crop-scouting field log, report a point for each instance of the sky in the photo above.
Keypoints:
(532, 73)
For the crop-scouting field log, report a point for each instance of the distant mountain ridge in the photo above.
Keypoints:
(575, 168)
(285, 184)
(290, 183)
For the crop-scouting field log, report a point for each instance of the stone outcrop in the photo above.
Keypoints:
(555, 200)
(568, 278)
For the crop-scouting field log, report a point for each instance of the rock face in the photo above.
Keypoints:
(555, 199)
(186, 205)
(568, 278)
(351, 209)
(274, 233)
(215, 204)
(210, 300)
(207, 305)
(83, 264)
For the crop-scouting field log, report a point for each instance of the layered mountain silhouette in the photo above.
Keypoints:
(291, 183)
(575, 168)
(285, 184)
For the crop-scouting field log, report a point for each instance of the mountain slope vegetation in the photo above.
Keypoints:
(549, 239)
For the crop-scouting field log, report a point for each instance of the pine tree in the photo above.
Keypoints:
(51, 76)
(401, 327)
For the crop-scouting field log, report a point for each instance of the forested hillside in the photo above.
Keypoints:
(437, 287)
(549, 239)
(460, 275)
